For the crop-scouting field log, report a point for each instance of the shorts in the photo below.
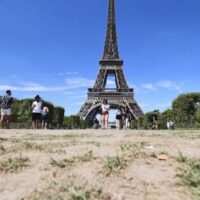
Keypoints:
(45, 117)
(105, 113)
(36, 116)
(118, 117)
(6, 112)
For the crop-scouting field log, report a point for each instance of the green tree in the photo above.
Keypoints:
(84, 124)
(146, 121)
(197, 116)
(58, 116)
(184, 108)
(24, 112)
(74, 121)
(15, 110)
(167, 115)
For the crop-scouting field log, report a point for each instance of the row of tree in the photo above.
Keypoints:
(21, 116)
(21, 113)
(185, 112)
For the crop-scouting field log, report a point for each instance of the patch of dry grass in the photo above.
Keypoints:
(67, 190)
(189, 173)
(14, 164)
(2, 149)
(88, 156)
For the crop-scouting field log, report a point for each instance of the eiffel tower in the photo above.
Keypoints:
(110, 65)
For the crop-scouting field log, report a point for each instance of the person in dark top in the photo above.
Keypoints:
(6, 114)
(119, 118)
(96, 123)
(127, 118)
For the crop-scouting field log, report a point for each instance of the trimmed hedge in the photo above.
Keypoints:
(74, 122)
(58, 116)
(21, 113)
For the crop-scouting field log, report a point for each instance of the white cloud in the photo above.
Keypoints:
(144, 104)
(169, 85)
(78, 82)
(163, 84)
(31, 88)
(67, 87)
(149, 86)
(67, 73)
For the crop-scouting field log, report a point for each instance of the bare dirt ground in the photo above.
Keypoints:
(99, 164)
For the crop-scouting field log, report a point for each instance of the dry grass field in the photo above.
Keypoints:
(99, 165)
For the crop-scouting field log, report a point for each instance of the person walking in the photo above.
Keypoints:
(105, 113)
(6, 114)
(168, 125)
(45, 117)
(119, 118)
(96, 123)
(36, 112)
(127, 118)
(155, 123)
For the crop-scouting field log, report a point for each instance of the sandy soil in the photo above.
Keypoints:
(95, 164)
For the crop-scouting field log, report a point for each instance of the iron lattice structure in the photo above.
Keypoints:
(110, 65)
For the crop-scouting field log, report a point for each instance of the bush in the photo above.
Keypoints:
(22, 110)
(74, 122)
(58, 116)
(146, 121)
(185, 107)
(21, 113)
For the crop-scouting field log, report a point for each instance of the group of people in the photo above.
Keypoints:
(170, 125)
(40, 112)
(122, 119)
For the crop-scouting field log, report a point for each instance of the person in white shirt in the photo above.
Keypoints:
(105, 113)
(168, 125)
(36, 111)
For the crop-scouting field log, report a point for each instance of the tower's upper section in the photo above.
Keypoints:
(111, 48)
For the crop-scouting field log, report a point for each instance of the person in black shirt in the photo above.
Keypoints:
(6, 113)
(127, 118)
(96, 123)
(119, 118)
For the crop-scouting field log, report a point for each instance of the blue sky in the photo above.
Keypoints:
(52, 48)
